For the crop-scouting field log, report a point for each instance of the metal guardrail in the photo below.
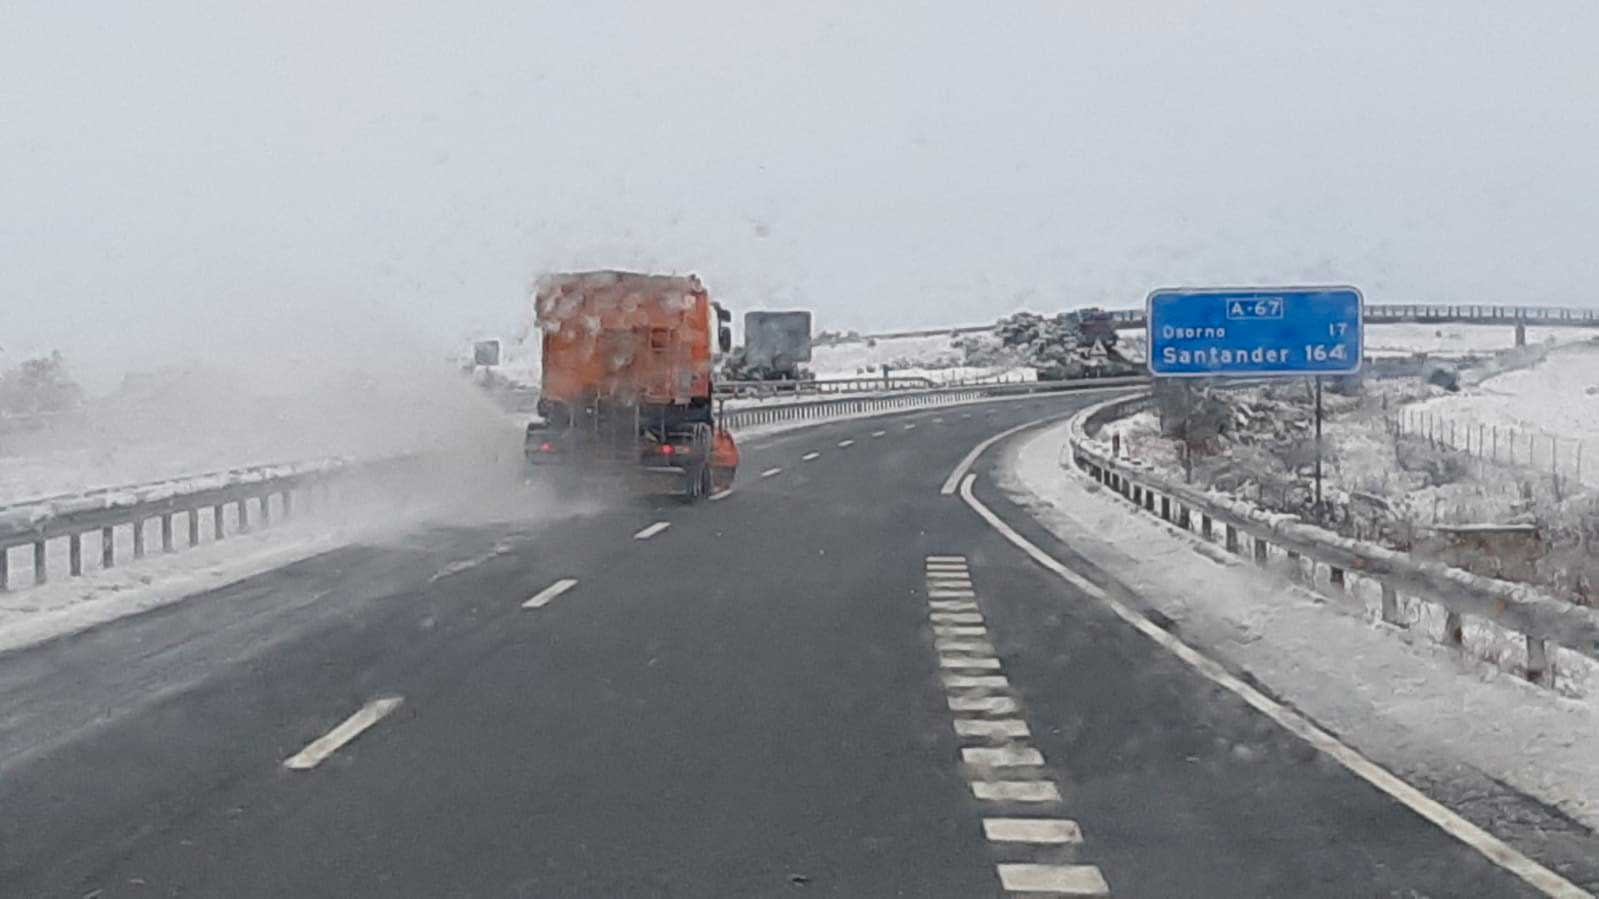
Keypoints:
(1538, 617)
(70, 517)
(819, 385)
(740, 419)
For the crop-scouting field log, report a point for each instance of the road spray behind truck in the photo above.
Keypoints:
(627, 381)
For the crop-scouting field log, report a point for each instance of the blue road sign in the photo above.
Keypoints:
(1254, 332)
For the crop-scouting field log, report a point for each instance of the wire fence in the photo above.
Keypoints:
(1559, 457)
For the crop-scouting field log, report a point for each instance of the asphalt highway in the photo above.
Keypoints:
(834, 681)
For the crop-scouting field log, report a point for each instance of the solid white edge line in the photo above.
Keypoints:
(1489, 846)
(771, 472)
(960, 469)
(542, 598)
(652, 530)
(319, 749)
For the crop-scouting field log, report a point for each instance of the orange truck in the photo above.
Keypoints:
(627, 383)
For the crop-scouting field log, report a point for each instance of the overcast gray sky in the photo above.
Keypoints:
(177, 173)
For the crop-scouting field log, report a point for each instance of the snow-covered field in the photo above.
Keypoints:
(1435, 717)
(1460, 340)
(1554, 404)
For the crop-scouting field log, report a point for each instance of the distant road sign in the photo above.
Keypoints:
(1254, 331)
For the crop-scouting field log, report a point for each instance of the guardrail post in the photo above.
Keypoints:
(1138, 495)
(1294, 571)
(288, 504)
(243, 510)
(1335, 578)
(1260, 551)
(1539, 671)
(217, 529)
(1149, 500)
(41, 574)
(1390, 605)
(194, 527)
(75, 554)
(108, 547)
(1165, 508)
(166, 532)
(1232, 539)
(5, 568)
(1184, 520)
(266, 509)
(138, 538)
(1206, 525)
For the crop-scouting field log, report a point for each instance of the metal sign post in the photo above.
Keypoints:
(1318, 444)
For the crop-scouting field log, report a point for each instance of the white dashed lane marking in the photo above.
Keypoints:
(878, 433)
(771, 472)
(1069, 880)
(976, 701)
(721, 494)
(845, 443)
(999, 727)
(1016, 790)
(1032, 830)
(352, 727)
(976, 682)
(973, 662)
(652, 530)
(911, 426)
(809, 456)
(543, 597)
(1002, 756)
(993, 705)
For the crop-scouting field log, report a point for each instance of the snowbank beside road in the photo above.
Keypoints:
(1458, 340)
(1436, 718)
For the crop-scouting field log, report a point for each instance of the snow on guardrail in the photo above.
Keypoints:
(1540, 618)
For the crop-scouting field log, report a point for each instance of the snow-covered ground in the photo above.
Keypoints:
(1459, 340)
(1440, 719)
(1552, 407)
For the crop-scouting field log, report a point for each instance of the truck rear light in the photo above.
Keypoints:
(666, 449)
(546, 447)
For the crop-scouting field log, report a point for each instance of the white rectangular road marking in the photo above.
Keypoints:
(652, 530)
(935, 593)
(973, 662)
(952, 605)
(878, 433)
(945, 574)
(975, 647)
(543, 597)
(958, 583)
(1486, 844)
(959, 630)
(721, 494)
(1032, 830)
(961, 559)
(1001, 756)
(771, 472)
(911, 426)
(956, 618)
(844, 443)
(809, 456)
(1069, 880)
(330, 742)
(994, 705)
(983, 727)
(975, 681)
(1016, 790)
